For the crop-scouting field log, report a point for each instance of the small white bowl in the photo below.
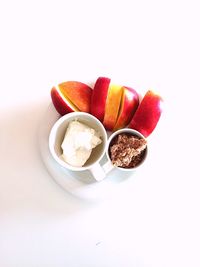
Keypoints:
(131, 132)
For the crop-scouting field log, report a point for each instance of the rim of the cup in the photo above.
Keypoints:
(133, 132)
(53, 132)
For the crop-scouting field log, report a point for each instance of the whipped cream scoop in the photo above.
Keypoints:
(78, 143)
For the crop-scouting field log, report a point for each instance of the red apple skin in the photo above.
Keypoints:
(59, 103)
(129, 104)
(99, 96)
(71, 96)
(148, 114)
(78, 93)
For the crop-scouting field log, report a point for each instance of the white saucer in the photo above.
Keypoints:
(80, 184)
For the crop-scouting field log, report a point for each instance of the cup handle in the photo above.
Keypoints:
(99, 172)
(107, 167)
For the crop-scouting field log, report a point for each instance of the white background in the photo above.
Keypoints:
(153, 219)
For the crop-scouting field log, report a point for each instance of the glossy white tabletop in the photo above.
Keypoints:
(150, 218)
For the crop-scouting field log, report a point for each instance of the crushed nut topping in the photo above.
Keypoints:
(127, 151)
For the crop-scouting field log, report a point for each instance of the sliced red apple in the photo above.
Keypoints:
(61, 104)
(148, 114)
(112, 106)
(99, 96)
(129, 104)
(71, 96)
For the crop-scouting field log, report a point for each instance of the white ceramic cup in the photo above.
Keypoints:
(57, 134)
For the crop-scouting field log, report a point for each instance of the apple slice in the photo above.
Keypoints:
(61, 104)
(71, 96)
(129, 104)
(99, 96)
(112, 106)
(148, 114)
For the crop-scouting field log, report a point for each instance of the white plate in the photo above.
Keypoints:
(80, 184)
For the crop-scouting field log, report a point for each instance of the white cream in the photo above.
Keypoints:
(78, 143)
